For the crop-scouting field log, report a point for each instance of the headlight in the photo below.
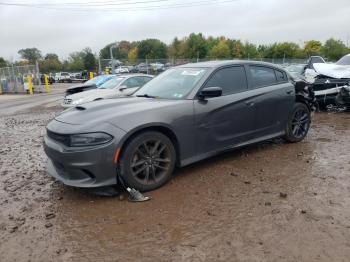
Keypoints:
(89, 139)
(79, 101)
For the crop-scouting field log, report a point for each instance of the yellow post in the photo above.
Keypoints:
(30, 84)
(106, 71)
(46, 79)
(91, 75)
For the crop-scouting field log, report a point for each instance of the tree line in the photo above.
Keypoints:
(194, 46)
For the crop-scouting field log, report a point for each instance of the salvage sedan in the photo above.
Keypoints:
(186, 114)
(121, 85)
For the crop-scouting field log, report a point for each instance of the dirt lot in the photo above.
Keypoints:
(268, 202)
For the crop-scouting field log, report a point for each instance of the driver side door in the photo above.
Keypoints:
(228, 120)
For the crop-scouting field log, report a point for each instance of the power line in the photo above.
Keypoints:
(123, 6)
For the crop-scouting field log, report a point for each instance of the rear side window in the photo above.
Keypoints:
(281, 77)
(230, 79)
(262, 76)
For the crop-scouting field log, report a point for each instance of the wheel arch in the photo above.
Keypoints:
(301, 99)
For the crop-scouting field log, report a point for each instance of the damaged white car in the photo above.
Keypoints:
(331, 82)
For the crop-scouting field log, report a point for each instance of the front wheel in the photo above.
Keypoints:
(298, 124)
(148, 161)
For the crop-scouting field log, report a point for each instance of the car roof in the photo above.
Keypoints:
(219, 63)
(131, 75)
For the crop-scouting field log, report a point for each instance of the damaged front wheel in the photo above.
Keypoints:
(298, 124)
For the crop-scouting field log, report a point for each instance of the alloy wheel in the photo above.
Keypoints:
(150, 161)
(300, 123)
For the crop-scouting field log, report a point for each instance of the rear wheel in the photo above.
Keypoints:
(298, 123)
(148, 161)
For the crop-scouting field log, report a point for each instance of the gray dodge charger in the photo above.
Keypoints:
(186, 114)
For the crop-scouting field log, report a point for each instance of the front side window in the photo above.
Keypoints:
(112, 83)
(230, 79)
(133, 82)
(262, 76)
(175, 83)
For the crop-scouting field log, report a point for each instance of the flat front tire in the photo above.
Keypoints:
(148, 161)
(298, 123)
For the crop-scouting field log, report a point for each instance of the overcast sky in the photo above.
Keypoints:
(258, 21)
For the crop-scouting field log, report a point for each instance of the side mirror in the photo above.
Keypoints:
(122, 88)
(208, 92)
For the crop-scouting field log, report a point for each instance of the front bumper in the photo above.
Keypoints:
(91, 166)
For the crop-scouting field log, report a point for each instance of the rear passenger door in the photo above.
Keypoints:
(273, 97)
(227, 120)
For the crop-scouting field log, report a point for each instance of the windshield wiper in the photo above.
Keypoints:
(145, 95)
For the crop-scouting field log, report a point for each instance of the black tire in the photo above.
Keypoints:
(148, 161)
(298, 123)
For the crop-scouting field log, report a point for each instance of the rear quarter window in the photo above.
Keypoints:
(281, 76)
(262, 76)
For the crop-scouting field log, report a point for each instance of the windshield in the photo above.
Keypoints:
(99, 80)
(112, 83)
(174, 83)
(345, 60)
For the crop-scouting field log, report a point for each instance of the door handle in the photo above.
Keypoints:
(289, 92)
(249, 103)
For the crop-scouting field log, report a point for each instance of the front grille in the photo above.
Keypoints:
(60, 138)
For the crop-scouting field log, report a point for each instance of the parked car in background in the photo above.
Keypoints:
(122, 70)
(50, 79)
(296, 70)
(121, 85)
(62, 77)
(331, 82)
(144, 68)
(90, 84)
(186, 114)
(157, 67)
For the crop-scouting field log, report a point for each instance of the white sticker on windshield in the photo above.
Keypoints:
(191, 72)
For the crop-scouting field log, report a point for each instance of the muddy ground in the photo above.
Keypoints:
(268, 202)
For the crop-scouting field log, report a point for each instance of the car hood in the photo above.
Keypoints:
(81, 86)
(332, 70)
(93, 94)
(117, 110)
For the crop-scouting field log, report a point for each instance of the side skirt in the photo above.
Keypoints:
(200, 157)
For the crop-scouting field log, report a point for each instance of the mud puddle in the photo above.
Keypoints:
(268, 202)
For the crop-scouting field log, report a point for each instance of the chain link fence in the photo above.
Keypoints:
(14, 79)
(155, 66)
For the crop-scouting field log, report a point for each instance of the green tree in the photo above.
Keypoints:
(249, 50)
(312, 48)
(3, 62)
(334, 49)
(174, 49)
(31, 54)
(132, 55)
(195, 46)
(152, 49)
(286, 49)
(236, 48)
(220, 51)
(89, 59)
(119, 51)
(50, 63)
(75, 62)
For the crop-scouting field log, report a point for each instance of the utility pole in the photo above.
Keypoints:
(112, 60)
